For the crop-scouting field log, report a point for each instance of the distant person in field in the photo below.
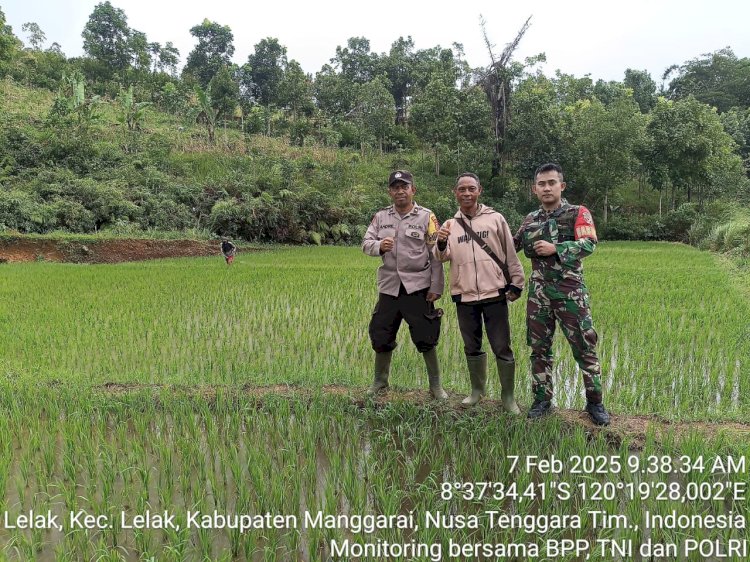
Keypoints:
(556, 238)
(228, 250)
(410, 280)
(485, 276)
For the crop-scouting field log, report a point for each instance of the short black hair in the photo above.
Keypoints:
(467, 175)
(549, 167)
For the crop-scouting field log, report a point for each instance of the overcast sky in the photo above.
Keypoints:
(599, 38)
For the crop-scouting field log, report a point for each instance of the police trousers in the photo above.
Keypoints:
(421, 316)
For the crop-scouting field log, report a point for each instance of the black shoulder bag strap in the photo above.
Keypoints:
(482, 244)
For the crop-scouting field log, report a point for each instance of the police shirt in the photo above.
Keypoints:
(410, 262)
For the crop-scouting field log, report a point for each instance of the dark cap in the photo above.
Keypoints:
(400, 175)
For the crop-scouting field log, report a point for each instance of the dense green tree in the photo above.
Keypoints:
(376, 111)
(608, 92)
(737, 124)
(334, 95)
(140, 51)
(213, 51)
(474, 127)
(689, 149)
(266, 70)
(106, 39)
(643, 86)
(719, 79)
(398, 66)
(536, 125)
(225, 93)
(355, 61)
(434, 115)
(295, 90)
(571, 89)
(602, 145)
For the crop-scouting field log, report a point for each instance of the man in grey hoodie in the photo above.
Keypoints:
(481, 286)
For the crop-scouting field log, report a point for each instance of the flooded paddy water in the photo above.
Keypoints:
(168, 475)
(133, 425)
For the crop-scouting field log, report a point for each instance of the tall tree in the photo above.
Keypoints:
(36, 35)
(688, 146)
(736, 123)
(224, 92)
(571, 89)
(602, 146)
(536, 126)
(167, 58)
(398, 67)
(610, 91)
(214, 50)
(140, 51)
(355, 61)
(497, 79)
(434, 114)
(295, 90)
(376, 111)
(267, 64)
(106, 39)
(9, 43)
(719, 79)
(643, 86)
(334, 95)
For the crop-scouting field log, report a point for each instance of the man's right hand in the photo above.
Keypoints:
(386, 244)
(444, 231)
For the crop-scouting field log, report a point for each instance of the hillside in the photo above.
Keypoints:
(85, 177)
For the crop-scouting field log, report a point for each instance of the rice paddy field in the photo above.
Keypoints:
(186, 410)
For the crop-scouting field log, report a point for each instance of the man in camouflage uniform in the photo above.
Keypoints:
(409, 281)
(556, 238)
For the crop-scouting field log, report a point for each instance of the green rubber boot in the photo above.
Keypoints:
(382, 370)
(433, 375)
(507, 373)
(478, 374)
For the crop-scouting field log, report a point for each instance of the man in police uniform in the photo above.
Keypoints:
(556, 238)
(409, 281)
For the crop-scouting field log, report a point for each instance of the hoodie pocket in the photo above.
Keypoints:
(489, 276)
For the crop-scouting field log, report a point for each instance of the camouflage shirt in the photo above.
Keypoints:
(571, 229)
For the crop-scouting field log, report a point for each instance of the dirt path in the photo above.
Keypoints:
(634, 428)
(23, 249)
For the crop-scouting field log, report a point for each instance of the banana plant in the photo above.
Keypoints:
(133, 112)
(207, 113)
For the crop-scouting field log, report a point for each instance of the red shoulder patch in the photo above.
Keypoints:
(584, 227)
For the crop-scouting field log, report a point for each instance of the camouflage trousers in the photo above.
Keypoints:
(551, 302)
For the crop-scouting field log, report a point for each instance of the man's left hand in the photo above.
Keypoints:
(432, 297)
(544, 248)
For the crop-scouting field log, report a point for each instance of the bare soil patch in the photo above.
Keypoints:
(102, 251)
(631, 428)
